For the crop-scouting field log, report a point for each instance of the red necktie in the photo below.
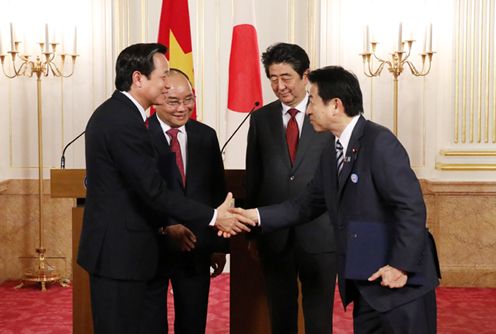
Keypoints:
(292, 134)
(176, 148)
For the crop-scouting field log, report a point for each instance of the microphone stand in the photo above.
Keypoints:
(256, 104)
(62, 158)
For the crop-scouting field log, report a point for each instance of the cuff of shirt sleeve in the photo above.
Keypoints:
(214, 218)
(259, 221)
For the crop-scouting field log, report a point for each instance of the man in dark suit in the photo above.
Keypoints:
(282, 154)
(185, 255)
(118, 244)
(365, 182)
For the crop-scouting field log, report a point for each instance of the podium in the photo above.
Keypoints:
(249, 312)
(248, 306)
(69, 183)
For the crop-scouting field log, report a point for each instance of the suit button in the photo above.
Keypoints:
(291, 178)
(355, 235)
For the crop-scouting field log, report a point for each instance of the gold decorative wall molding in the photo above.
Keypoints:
(467, 160)
(465, 167)
(313, 25)
(291, 21)
(474, 111)
(477, 153)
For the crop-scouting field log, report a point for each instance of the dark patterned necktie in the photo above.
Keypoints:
(339, 156)
(176, 148)
(292, 134)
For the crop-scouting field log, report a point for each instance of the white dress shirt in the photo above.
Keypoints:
(345, 137)
(300, 116)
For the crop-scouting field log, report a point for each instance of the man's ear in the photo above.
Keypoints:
(137, 78)
(306, 73)
(338, 104)
(335, 105)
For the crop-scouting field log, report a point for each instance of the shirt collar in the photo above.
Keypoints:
(345, 137)
(166, 127)
(136, 103)
(302, 106)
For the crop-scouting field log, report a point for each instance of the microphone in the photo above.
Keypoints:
(62, 158)
(256, 104)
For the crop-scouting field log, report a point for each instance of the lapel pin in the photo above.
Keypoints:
(354, 178)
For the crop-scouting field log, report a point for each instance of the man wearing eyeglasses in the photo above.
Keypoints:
(190, 162)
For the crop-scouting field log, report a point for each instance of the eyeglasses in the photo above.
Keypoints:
(175, 103)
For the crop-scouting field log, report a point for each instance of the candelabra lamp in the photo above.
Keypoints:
(399, 60)
(41, 64)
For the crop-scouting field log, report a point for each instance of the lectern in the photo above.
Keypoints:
(248, 303)
(69, 183)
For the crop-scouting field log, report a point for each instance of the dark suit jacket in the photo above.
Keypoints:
(271, 179)
(205, 181)
(375, 185)
(118, 238)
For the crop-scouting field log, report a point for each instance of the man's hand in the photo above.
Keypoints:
(217, 262)
(182, 236)
(390, 277)
(228, 223)
(250, 214)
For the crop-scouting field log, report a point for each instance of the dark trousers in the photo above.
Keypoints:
(117, 305)
(190, 284)
(415, 317)
(317, 275)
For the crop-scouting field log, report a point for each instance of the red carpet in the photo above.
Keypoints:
(28, 311)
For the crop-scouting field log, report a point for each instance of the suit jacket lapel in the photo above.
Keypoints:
(158, 136)
(124, 99)
(191, 162)
(351, 153)
(305, 140)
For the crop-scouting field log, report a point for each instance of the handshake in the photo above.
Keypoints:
(231, 221)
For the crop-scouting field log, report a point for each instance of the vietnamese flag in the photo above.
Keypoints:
(245, 87)
(175, 33)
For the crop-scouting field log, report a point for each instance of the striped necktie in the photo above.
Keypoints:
(339, 156)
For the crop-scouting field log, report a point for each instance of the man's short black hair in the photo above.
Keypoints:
(291, 54)
(137, 57)
(336, 82)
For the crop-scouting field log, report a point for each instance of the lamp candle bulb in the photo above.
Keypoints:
(400, 37)
(430, 37)
(12, 38)
(366, 39)
(47, 40)
(74, 48)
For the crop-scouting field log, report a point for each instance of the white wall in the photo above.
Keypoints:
(426, 104)
(330, 30)
(66, 103)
